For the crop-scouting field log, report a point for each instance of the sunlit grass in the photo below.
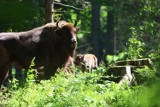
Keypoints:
(78, 90)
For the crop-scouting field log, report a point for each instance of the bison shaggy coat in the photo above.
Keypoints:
(52, 45)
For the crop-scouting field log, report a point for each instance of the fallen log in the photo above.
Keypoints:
(136, 62)
(123, 71)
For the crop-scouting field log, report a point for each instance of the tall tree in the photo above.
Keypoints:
(49, 9)
(96, 30)
(110, 29)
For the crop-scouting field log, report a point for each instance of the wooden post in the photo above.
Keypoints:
(128, 77)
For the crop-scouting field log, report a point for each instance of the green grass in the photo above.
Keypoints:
(79, 90)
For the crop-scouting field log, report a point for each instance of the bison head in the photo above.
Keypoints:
(67, 33)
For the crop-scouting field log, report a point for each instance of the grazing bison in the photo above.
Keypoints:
(52, 45)
(86, 62)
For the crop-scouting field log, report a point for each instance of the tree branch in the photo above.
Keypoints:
(57, 3)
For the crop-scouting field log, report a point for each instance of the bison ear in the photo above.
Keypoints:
(81, 57)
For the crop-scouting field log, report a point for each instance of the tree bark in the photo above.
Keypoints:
(97, 50)
(49, 8)
(110, 30)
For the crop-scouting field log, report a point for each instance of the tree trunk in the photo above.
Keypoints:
(110, 31)
(49, 8)
(97, 50)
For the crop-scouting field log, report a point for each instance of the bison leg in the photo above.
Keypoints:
(44, 72)
(49, 71)
(3, 73)
(4, 63)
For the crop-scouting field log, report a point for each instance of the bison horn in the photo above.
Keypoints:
(57, 25)
(75, 24)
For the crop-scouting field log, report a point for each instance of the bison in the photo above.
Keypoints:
(86, 62)
(52, 45)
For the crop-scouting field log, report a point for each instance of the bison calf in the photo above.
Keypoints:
(86, 62)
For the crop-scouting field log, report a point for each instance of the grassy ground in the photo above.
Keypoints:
(79, 90)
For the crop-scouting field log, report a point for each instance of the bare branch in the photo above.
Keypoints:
(84, 45)
(58, 3)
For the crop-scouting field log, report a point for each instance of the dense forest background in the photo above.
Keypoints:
(112, 30)
(107, 26)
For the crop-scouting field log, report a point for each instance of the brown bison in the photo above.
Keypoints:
(86, 61)
(52, 45)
